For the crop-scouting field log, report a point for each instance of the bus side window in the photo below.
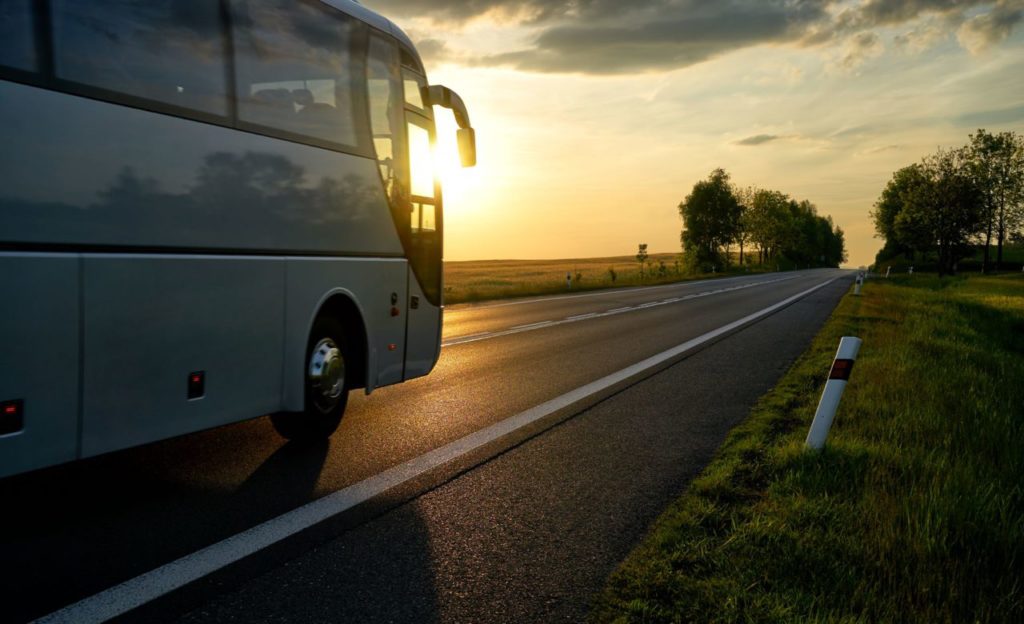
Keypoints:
(160, 50)
(385, 89)
(295, 69)
(17, 48)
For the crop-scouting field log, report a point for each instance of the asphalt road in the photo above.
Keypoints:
(527, 535)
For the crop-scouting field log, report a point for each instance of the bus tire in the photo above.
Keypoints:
(326, 385)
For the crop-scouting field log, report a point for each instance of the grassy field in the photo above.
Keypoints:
(913, 513)
(479, 280)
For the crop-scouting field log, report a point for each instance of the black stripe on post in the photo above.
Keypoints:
(841, 370)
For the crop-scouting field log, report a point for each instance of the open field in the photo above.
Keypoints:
(913, 511)
(479, 280)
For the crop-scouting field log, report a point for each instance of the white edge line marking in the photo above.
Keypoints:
(147, 587)
(580, 317)
(476, 335)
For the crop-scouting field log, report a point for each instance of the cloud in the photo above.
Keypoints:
(889, 12)
(759, 139)
(619, 36)
(509, 10)
(435, 51)
(881, 149)
(926, 34)
(981, 32)
(659, 35)
(996, 117)
(860, 48)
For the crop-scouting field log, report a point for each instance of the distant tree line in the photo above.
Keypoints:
(718, 215)
(953, 200)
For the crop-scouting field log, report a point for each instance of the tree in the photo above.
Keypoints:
(997, 164)
(942, 207)
(769, 222)
(836, 254)
(710, 219)
(888, 208)
(745, 198)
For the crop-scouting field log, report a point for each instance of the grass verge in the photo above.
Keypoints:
(915, 510)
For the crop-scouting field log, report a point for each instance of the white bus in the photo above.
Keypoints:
(210, 210)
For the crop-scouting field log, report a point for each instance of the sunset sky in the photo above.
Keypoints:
(595, 118)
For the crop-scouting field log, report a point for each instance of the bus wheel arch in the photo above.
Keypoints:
(343, 309)
(335, 363)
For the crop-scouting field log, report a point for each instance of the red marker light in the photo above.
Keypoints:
(196, 385)
(11, 416)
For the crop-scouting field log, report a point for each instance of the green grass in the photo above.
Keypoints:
(913, 513)
(480, 280)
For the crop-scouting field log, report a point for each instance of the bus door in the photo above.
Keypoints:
(423, 334)
(403, 132)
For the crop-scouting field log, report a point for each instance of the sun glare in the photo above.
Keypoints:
(457, 182)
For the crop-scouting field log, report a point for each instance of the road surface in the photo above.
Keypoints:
(522, 524)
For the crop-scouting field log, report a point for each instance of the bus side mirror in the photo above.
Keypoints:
(467, 146)
(437, 95)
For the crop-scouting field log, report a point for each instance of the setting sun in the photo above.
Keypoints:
(458, 183)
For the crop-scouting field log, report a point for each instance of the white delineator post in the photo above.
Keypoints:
(887, 269)
(837, 378)
(856, 287)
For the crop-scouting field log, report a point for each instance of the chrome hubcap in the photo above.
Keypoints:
(326, 374)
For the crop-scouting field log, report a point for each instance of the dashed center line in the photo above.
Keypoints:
(592, 315)
(530, 326)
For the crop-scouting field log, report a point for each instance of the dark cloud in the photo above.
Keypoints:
(987, 29)
(523, 10)
(620, 36)
(885, 12)
(759, 139)
(645, 39)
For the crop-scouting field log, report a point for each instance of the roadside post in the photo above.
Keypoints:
(568, 280)
(858, 284)
(887, 269)
(837, 378)
(910, 271)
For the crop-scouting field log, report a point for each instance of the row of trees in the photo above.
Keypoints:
(718, 215)
(955, 199)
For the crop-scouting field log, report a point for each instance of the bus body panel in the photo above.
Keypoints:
(151, 321)
(81, 172)
(369, 284)
(425, 324)
(39, 357)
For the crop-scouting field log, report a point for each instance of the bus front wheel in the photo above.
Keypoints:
(326, 386)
